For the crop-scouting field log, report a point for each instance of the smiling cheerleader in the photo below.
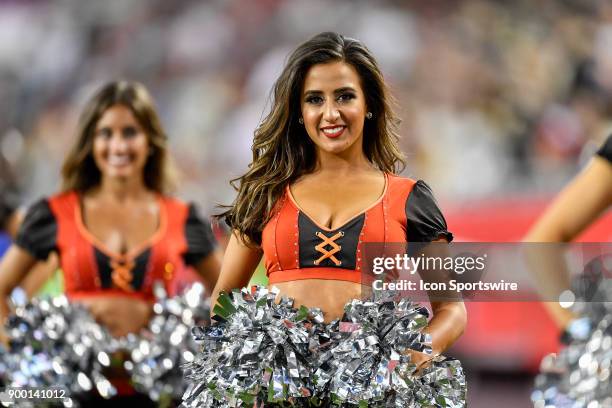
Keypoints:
(322, 184)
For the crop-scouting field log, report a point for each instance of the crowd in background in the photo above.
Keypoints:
(496, 98)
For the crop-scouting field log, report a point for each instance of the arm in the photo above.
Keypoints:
(447, 325)
(239, 263)
(579, 204)
(40, 273)
(425, 223)
(34, 242)
(449, 315)
(202, 250)
(13, 223)
(208, 269)
(14, 266)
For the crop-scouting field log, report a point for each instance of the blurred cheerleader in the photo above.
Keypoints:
(587, 325)
(576, 207)
(113, 226)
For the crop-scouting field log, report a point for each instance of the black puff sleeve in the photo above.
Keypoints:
(200, 239)
(425, 222)
(38, 232)
(606, 150)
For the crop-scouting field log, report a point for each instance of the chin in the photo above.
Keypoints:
(119, 173)
(336, 146)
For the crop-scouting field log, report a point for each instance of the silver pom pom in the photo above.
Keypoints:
(160, 351)
(258, 352)
(266, 354)
(368, 364)
(55, 343)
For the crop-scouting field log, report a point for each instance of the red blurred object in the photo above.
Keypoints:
(503, 335)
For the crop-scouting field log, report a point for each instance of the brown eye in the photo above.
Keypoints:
(345, 97)
(104, 133)
(315, 100)
(129, 131)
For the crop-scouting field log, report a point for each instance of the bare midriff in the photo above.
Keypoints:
(120, 314)
(328, 295)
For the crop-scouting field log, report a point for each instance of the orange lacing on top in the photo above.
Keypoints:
(122, 273)
(335, 248)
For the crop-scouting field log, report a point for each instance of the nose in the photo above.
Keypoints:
(117, 143)
(331, 113)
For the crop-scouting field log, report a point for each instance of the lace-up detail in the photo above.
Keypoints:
(122, 273)
(328, 253)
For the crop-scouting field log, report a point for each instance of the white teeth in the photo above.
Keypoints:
(331, 131)
(118, 160)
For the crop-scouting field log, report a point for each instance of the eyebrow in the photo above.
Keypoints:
(108, 127)
(336, 91)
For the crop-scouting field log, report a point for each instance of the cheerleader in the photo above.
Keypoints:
(323, 182)
(576, 207)
(113, 225)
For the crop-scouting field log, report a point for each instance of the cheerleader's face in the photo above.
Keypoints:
(333, 108)
(120, 146)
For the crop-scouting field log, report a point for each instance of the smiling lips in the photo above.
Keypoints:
(333, 131)
(118, 161)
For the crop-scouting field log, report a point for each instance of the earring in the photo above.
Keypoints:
(301, 120)
(369, 115)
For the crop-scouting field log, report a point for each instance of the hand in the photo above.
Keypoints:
(120, 315)
(422, 360)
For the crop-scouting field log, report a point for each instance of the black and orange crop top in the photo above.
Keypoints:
(56, 224)
(295, 247)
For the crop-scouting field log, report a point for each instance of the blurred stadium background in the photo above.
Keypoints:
(502, 103)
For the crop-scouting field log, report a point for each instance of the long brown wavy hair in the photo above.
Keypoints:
(282, 150)
(79, 171)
